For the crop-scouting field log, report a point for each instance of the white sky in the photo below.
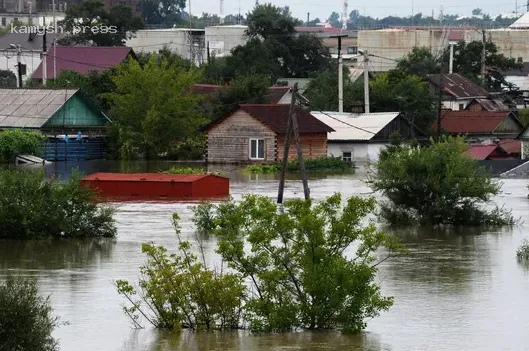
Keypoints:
(373, 8)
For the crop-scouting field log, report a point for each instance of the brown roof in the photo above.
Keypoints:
(511, 146)
(458, 86)
(275, 117)
(475, 122)
(275, 94)
(491, 104)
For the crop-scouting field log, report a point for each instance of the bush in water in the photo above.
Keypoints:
(522, 254)
(17, 141)
(323, 163)
(436, 185)
(185, 170)
(311, 265)
(204, 217)
(33, 207)
(26, 322)
(178, 291)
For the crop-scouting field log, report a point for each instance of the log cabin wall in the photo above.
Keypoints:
(313, 145)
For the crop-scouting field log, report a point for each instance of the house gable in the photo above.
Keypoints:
(78, 111)
(400, 125)
(510, 125)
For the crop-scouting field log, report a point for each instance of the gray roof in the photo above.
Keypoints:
(27, 41)
(30, 108)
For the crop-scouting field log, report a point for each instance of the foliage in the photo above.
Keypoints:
(165, 54)
(261, 169)
(8, 79)
(301, 262)
(90, 24)
(162, 11)
(15, 142)
(152, 108)
(185, 170)
(204, 217)
(419, 62)
(26, 321)
(192, 148)
(436, 185)
(467, 62)
(178, 291)
(243, 90)
(522, 254)
(323, 163)
(33, 207)
(523, 116)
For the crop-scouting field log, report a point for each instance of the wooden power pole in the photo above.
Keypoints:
(292, 127)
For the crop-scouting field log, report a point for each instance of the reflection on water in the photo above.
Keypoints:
(457, 289)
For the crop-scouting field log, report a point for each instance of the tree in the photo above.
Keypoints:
(296, 261)
(26, 321)
(334, 20)
(15, 142)
(477, 12)
(243, 90)
(436, 185)
(162, 11)
(467, 62)
(420, 62)
(152, 107)
(7, 79)
(270, 22)
(90, 24)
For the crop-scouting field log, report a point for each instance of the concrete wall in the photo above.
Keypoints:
(394, 44)
(510, 42)
(222, 39)
(36, 19)
(360, 152)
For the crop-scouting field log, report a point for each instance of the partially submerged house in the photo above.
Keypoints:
(57, 113)
(457, 91)
(82, 59)
(361, 137)
(256, 134)
(481, 126)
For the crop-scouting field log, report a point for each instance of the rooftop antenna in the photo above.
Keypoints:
(344, 15)
(239, 16)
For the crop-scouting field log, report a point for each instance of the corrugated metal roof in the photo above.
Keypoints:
(30, 108)
(522, 22)
(355, 126)
(464, 121)
(150, 177)
(492, 104)
(480, 152)
(511, 146)
(522, 82)
(458, 86)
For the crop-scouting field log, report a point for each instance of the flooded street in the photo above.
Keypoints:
(456, 290)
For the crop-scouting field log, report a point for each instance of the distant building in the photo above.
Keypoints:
(349, 50)
(256, 134)
(222, 39)
(361, 136)
(458, 91)
(391, 44)
(82, 59)
(511, 42)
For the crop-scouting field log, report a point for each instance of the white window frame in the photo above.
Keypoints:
(350, 159)
(256, 149)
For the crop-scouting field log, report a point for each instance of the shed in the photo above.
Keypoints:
(256, 133)
(361, 136)
(157, 185)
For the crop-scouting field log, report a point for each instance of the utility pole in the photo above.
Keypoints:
(292, 127)
(19, 65)
(209, 56)
(340, 71)
(451, 63)
(483, 56)
(308, 19)
(440, 102)
(366, 81)
(44, 55)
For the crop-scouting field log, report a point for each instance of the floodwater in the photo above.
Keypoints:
(456, 290)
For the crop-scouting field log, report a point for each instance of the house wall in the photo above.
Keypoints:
(228, 141)
(76, 113)
(312, 145)
(509, 125)
(454, 104)
(361, 152)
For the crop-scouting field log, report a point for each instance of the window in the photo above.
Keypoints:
(347, 156)
(352, 50)
(257, 149)
(3, 21)
(461, 106)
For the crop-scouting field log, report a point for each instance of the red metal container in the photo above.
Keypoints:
(158, 185)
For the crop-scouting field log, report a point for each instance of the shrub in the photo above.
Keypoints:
(15, 142)
(26, 322)
(185, 170)
(522, 254)
(323, 163)
(177, 291)
(33, 207)
(436, 185)
(262, 169)
(310, 266)
(204, 217)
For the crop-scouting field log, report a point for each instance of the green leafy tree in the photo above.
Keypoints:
(166, 12)
(467, 62)
(15, 142)
(310, 266)
(477, 12)
(7, 79)
(243, 90)
(334, 20)
(436, 185)
(420, 62)
(270, 22)
(26, 321)
(180, 291)
(90, 24)
(152, 107)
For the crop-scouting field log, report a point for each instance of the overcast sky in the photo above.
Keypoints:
(374, 8)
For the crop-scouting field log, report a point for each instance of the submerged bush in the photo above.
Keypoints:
(178, 291)
(33, 207)
(26, 322)
(436, 185)
(323, 163)
(310, 266)
(16, 142)
(262, 169)
(204, 217)
(185, 170)
(522, 254)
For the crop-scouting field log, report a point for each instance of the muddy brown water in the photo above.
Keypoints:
(460, 289)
